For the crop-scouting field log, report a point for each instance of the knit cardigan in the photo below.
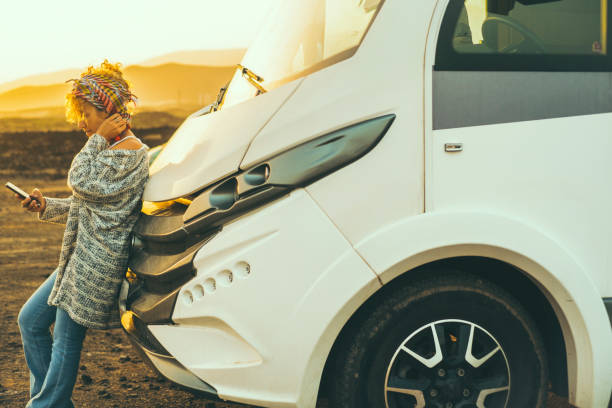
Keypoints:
(107, 187)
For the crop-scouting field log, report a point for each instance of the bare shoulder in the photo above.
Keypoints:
(128, 144)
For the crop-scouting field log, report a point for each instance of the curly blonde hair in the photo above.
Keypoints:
(74, 102)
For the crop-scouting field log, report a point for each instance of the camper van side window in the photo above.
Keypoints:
(543, 35)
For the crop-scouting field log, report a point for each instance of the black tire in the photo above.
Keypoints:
(369, 363)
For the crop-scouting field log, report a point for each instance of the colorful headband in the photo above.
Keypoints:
(104, 92)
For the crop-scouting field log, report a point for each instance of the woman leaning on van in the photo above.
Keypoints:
(107, 179)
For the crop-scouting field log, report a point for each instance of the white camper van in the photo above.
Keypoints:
(393, 204)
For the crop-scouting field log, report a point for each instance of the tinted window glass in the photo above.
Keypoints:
(525, 34)
(560, 27)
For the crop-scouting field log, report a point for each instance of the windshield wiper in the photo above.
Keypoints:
(252, 78)
(216, 105)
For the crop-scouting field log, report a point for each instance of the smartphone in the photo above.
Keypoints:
(19, 191)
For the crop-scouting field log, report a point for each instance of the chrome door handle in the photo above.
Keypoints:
(453, 147)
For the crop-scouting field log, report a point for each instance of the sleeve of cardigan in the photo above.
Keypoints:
(101, 175)
(56, 210)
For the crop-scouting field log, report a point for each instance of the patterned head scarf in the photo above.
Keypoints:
(104, 92)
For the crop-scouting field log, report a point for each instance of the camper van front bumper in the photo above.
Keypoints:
(153, 353)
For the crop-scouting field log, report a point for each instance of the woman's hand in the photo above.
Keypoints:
(37, 205)
(112, 127)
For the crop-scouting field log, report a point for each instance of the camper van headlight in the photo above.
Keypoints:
(278, 175)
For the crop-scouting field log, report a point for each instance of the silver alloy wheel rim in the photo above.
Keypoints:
(491, 360)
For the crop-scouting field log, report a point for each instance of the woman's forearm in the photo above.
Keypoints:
(56, 210)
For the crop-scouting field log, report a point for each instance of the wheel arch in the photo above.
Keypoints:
(415, 243)
(510, 278)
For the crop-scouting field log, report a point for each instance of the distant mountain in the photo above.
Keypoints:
(41, 79)
(33, 97)
(211, 58)
(170, 85)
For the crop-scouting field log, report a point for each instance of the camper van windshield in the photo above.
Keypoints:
(302, 37)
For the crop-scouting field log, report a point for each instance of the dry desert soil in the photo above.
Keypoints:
(111, 374)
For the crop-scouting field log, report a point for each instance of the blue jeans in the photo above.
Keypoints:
(53, 363)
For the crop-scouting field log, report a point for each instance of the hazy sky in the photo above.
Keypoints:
(40, 36)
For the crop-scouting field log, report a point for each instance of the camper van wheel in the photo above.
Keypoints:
(452, 341)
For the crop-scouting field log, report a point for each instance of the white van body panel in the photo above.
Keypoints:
(525, 170)
(207, 148)
(354, 90)
(502, 170)
(416, 241)
(550, 174)
(239, 338)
